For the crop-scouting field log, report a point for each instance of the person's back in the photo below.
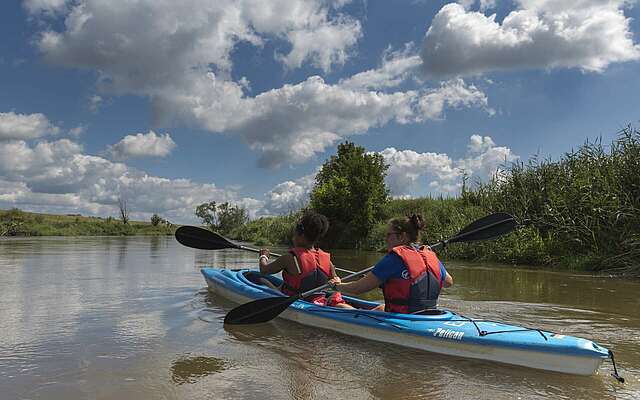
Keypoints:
(418, 286)
(314, 266)
(411, 277)
(305, 266)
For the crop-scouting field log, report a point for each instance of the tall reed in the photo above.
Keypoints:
(585, 207)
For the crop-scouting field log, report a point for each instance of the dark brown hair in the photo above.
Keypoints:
(312, 226)
(411, 225)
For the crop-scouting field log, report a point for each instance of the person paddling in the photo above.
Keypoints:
(305, 266)
(411, 276)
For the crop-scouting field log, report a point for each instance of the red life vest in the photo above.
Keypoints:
(421, 288)
(315, 270)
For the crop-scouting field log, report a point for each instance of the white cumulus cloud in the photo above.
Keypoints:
(146, 43)
(585, 34)
(289, 196)
(396, 67)
(25, 126)
(78, 130)
(411, 172)
(179, 55)
(324, 45)
(142, 145)
(47, 7)
(455, 94)
(94, 102)
(483, 5)
(278, 122)
(406, 167)
(58, 177)
(484, 158)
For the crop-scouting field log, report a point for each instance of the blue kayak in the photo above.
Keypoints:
(440, 331)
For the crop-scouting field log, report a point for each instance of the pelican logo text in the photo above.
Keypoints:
(448, 333)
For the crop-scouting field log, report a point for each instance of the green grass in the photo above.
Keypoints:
(16, 222)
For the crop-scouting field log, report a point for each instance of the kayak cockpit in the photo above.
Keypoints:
(274, 283)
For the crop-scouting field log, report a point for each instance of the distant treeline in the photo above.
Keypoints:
(580, 212)
(16, 222)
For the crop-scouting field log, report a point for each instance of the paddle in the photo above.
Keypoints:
(263, 310)
(204, 239)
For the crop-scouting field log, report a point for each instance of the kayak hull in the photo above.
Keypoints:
(446, 333)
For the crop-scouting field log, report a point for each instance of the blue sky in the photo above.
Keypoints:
(170, 104)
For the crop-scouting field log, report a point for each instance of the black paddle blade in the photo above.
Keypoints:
(199, 238)
(258, 311)
(488, 227)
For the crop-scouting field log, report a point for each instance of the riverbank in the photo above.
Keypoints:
(581, 212)
(22, 223)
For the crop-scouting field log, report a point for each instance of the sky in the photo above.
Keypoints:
(171, 104)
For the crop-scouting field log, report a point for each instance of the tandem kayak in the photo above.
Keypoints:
(441, 331)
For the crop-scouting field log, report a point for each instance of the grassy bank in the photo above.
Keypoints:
(582, 211)
(21, 223)
(579, 212)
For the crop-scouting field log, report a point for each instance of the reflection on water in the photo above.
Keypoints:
(191, 369)
(128, 318)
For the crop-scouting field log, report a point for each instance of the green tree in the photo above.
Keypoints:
(157, 220)
(223, 217)
(351, 192)
(230, 217)
(207, 213)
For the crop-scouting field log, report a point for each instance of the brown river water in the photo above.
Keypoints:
(130, 318)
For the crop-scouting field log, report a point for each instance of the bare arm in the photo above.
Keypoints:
(283, 262)
(448, 281)
(333, 272)
(364, 284)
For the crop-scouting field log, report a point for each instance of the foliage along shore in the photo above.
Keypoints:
(16, 222)
(581, 212)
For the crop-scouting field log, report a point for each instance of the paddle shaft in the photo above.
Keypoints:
(241, 247)
(265, 309)
(353, 274)
(204, 239)
(364, 271)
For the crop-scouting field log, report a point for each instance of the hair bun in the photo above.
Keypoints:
(417, 221)
(313, 226)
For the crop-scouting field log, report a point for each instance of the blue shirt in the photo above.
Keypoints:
(392, 266)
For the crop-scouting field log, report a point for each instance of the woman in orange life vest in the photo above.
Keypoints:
(305, 267)
(411, 277)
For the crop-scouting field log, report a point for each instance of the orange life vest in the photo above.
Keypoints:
(315, 270)
(420, 288)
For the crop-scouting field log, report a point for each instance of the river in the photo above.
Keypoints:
(130, 318)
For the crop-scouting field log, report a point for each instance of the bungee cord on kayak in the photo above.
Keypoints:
(473, 321)
(615, 370)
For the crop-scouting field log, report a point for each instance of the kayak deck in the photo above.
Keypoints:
(439, 331)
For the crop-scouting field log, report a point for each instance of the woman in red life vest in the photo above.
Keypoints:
(411, 276)
(305, 266)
